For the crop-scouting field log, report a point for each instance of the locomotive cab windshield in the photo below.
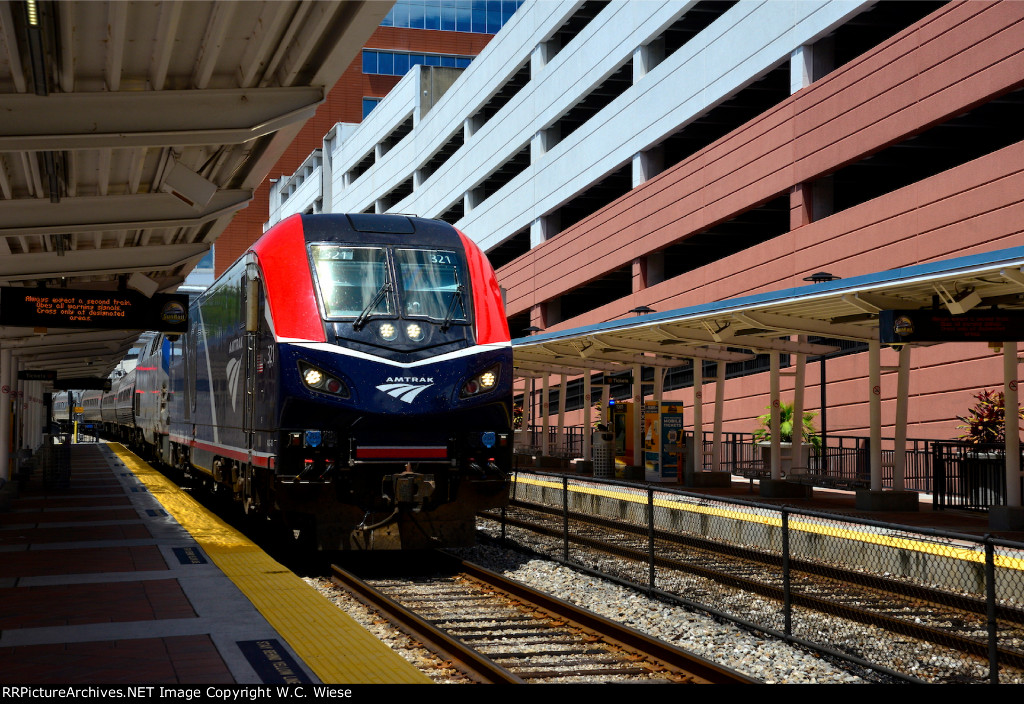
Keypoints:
(401, 298)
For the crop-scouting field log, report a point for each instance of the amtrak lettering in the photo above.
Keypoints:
(406, 388)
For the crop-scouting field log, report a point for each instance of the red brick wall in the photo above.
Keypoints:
(344, 103)
(958, 57)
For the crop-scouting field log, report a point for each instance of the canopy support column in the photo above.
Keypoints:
(698, 415)
(716, 446)
(1010, 516)
(775, 405)
(6, 365)
(875, 499)
(798, 410)
(545, 419)
(588, 401)
(638, 407)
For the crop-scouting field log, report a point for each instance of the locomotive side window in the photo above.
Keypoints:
(430, 284)
(351, 280)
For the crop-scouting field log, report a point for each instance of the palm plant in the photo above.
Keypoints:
(764, 432)
(985, 422)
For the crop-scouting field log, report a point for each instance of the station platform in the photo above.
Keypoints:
(119, 577)
(843, 503)
(840, 502)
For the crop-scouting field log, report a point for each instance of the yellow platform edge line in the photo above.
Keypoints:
(331, 643)
(796, 524)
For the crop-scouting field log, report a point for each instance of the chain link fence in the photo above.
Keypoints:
(916, 603)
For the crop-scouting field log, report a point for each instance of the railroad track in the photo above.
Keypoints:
(499, 631)
(932, 616)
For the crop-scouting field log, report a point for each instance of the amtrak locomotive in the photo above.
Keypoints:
(351, 374)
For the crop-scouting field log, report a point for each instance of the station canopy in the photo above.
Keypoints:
(132, 132)
(968, 292)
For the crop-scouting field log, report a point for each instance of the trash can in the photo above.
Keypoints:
(602, 444)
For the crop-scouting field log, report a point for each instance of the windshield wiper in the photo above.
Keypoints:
(450, 315)
(365, 315)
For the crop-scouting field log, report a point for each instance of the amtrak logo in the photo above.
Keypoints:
(406, 388)
(233, 369)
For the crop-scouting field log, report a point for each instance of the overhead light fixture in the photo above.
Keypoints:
(143, 284)
(642, 310)
(959, 302)
(184, 183)
(33, 12)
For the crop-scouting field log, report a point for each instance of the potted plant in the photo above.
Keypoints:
(985, 422)
(985, 436)
(810, 437)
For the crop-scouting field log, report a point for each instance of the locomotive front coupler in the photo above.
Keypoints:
(409, 488)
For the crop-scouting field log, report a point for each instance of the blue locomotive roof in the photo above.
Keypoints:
(380, 229)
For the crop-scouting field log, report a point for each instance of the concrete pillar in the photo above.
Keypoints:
(6, 364)
(811, 62)
(716, 447)
(1012, 424)
(540, 56)
(588, 402)
(21, 409)
(471, 199)
(545, 448)
(638, 407)
(899, 462)
(698, 415)
(542, 142)
(775, 405)
(798, 408)
(562, 388)
(647, 164)
(544, 228)
(1010, 516)
(646, 57)
(875, 413)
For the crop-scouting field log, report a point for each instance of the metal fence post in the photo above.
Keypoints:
(990, 605)
(650, 534)
(787, 600)
(565, 518)
(504, 515)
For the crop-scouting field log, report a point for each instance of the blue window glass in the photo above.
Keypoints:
(448, 61)
(479, 16)
(463, 16)
(401, 13)
(369, 61)
(493, 16)
(368, 105)
(432, 60)
(401, 64)
(389, 21)
(415, 60)
(417, 14)
(462, 63)
(448, 16)
(432, 14)
(385, 63)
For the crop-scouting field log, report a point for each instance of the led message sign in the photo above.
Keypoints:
(66, 308)
(979, 325)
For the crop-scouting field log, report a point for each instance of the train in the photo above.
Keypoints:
(350, 375)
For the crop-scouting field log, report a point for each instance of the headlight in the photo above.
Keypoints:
(388, 331)
(414, 331)
(319, 380)
(481, 383)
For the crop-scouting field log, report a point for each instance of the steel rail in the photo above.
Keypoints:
(474, 664)
(681, 664)
(969, 646)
